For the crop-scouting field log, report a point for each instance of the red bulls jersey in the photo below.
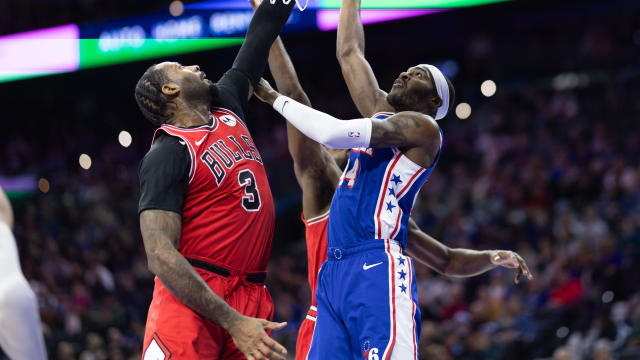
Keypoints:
(316, 236)
(228, 216)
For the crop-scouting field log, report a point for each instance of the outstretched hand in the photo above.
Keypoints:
(511, 260)
(251, 339)
(265, 92)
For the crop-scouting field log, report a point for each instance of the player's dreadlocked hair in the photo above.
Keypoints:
(149, 96)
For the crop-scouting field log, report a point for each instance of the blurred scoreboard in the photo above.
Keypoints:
(199, 26)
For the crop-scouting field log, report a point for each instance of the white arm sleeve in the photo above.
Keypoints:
(324, 128)
(20, 330)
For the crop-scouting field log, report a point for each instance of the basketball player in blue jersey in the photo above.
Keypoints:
(366, 292)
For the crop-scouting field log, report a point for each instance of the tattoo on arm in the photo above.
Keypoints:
(402, 129)
(161, 235)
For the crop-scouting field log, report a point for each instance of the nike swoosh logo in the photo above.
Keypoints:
(367, 267)
(285, 104)
(201, 140)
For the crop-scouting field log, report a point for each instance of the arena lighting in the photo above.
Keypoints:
(43, 185)
(328, 19)
(562, 332)
(366, 4)
(93, 53)
(463, 111)
(488, 88)
(39, 52)
(124, 138)
(201, 26)
(85, 161)
(176, 8)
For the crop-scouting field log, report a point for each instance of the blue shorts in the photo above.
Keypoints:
(367, 304)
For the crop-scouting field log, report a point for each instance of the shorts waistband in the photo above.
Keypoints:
(257, 278)
(341, 253)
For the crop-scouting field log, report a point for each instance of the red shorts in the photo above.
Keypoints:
(174, 331)
(305, 334)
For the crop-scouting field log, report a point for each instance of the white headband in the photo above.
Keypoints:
(441, 87)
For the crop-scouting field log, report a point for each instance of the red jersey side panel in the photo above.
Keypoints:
(316, 236)
(228, 217)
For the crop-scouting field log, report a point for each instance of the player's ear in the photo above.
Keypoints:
(171, 89)
(435, 101)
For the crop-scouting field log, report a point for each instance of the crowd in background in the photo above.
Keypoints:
(545, 168)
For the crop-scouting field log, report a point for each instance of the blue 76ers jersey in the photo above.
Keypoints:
(375, 196)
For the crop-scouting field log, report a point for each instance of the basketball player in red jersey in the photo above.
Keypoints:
(318, 170)
(206, 210)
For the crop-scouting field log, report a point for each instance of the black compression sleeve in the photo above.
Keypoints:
(264, 28)
(164, 176)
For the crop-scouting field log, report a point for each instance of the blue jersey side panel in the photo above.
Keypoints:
(375, 196)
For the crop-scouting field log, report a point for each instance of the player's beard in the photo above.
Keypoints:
(214, 92)
(407, 100)
(398, 100)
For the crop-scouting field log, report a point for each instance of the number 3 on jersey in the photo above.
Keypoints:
(251, 201)
(351, 175)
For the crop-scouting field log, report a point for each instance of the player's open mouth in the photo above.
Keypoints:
(203, 75)
(398, 82)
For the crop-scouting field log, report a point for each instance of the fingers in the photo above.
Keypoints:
(524, 267)
(518, 274)
(270, 354)
(272, 325)
(273, 345)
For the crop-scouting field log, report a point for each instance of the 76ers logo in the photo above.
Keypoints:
(371, 354)
(228, 119)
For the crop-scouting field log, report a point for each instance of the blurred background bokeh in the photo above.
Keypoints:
(543, 159)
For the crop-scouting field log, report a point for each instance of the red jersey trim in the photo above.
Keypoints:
(314, 220)
(234, 114)
(205, 127)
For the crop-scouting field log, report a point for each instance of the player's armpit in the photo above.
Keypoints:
(406, 129)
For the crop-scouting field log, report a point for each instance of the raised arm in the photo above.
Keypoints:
(404, 129)
(460, 262)
(266, 24)
(316, 171)
(357, 72)
(161, 235)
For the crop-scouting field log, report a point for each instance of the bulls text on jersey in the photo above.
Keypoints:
(225, 153)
